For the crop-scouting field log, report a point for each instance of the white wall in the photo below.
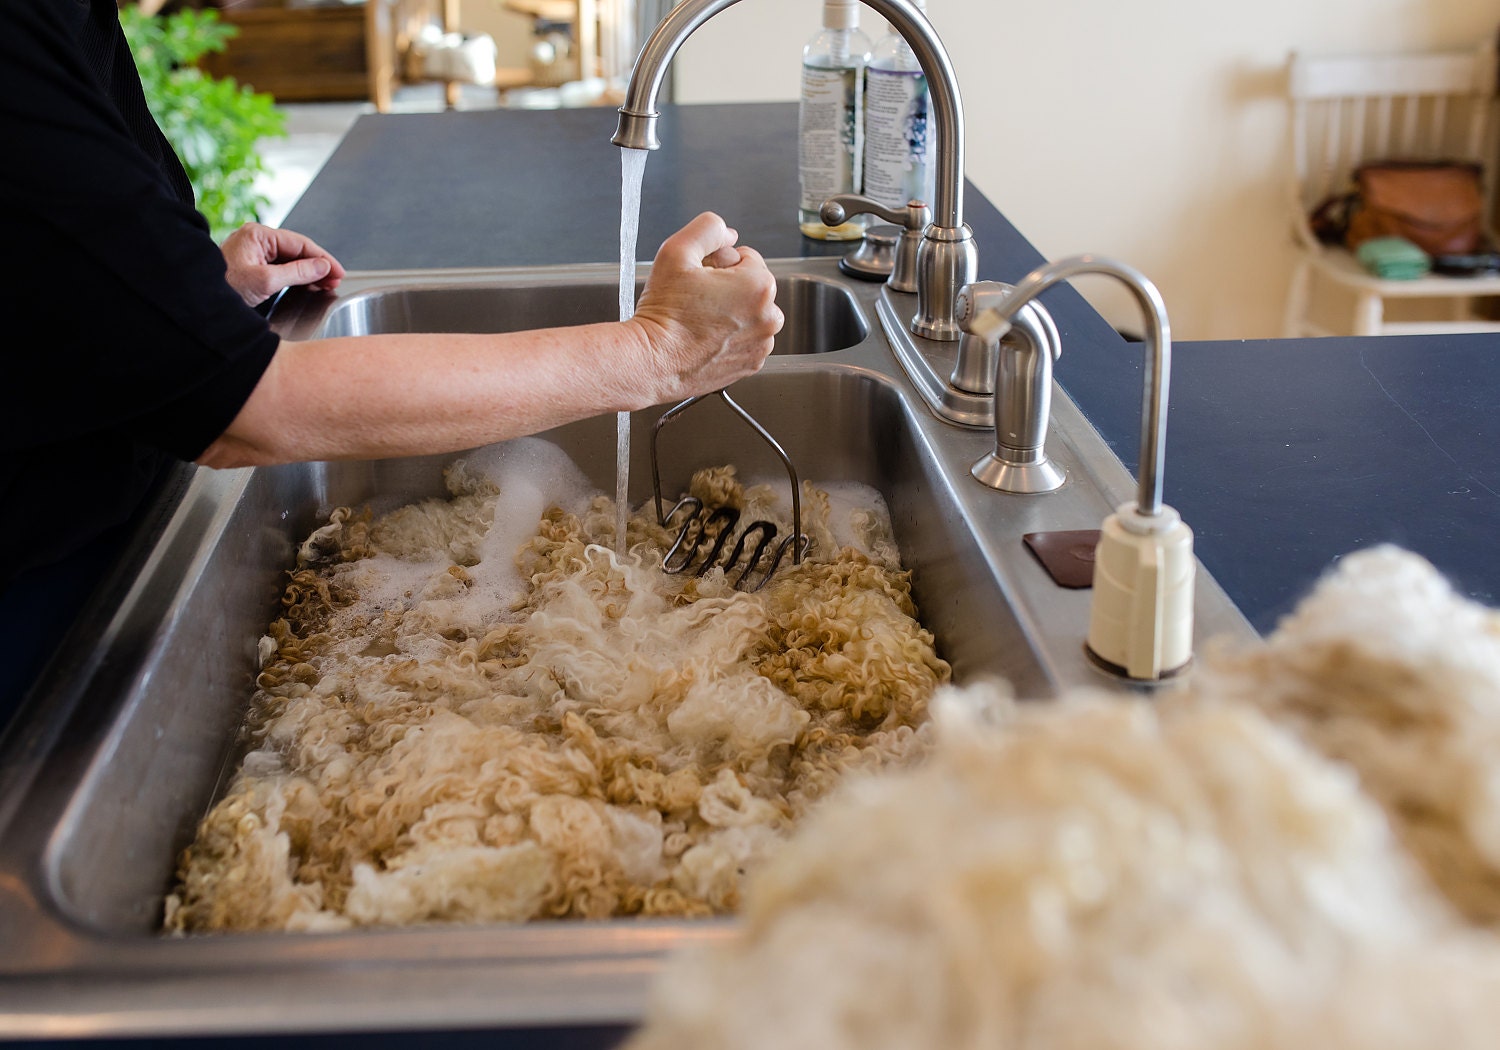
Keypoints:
(1152, 130)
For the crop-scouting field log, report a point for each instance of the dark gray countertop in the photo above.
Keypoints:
(1282, 454)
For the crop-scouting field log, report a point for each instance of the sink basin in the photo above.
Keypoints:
(821, 315)
(105, 781)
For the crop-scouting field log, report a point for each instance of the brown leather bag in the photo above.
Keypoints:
(1437, 205)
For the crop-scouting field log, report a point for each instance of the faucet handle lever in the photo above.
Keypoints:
(913, 219)
(839, 208)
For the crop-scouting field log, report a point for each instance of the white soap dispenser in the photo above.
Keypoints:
(1141, 616)
(830, 124)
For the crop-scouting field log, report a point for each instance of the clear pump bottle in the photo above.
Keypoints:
(830, 126)
(898, 159)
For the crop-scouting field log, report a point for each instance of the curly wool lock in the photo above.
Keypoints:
(433, 744)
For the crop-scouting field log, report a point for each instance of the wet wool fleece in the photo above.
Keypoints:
(430, 743)
(1301, 848)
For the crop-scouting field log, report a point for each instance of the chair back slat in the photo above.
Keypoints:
(1358, 129)
(1411, 122)
(1477, 130)
(1382, 142)
(1437, 127)
(1332, 138)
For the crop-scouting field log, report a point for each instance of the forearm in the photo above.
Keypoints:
(400, 395)
(704, 321)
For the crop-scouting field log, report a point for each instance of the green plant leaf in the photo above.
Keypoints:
(214, 124)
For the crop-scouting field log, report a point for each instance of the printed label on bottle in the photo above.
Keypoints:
(897, 166)
(831, 146)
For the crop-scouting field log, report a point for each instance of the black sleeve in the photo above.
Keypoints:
(117, 315)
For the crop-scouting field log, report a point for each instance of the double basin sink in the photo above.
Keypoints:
(130, 734)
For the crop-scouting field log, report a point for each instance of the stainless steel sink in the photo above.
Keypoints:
(821, 314)
(104, 781)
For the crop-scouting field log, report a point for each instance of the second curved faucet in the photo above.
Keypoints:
(1141, 610)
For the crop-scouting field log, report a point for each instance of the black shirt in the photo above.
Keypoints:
(124, 345)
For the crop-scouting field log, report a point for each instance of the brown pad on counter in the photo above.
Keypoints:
(1067, 556)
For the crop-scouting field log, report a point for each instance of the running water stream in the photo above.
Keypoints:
(632, 170)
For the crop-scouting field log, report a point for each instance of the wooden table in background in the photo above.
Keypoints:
(298, 54)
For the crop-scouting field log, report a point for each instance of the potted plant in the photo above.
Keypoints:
(213, 124)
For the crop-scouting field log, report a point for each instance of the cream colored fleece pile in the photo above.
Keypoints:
(1279, 857)
(447, 730)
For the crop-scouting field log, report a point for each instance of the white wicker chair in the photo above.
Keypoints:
(1351, 109)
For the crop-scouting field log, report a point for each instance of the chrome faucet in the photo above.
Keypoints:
(1141, 614)
(946, 259)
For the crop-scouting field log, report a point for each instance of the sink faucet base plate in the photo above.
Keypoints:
(1027, 478)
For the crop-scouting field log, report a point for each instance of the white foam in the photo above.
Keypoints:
(846, 501)
(532, 475)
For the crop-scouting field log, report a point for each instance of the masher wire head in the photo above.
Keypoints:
(704, 535)
(705, 532)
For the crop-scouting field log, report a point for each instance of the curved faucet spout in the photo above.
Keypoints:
(946, 258)
(637, 127)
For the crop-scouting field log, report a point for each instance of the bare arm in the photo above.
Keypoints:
(706, 319)
(393, 395)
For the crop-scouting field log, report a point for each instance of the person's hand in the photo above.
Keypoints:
(263, 260)
(709, 309)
